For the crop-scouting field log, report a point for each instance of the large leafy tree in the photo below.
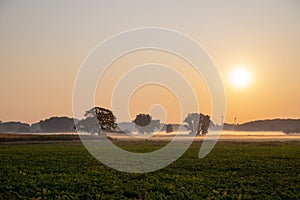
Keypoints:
(97, 120)
(145, 124)
(197, 123)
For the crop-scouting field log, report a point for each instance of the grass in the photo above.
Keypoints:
(231, 171)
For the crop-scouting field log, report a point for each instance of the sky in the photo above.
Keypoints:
(44, 43)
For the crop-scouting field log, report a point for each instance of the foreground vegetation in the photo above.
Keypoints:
(231, 171)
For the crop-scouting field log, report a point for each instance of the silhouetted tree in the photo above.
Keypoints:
(14, 127)
(169, 128)
(205, 122)
(145, 124)
(192, 121)
(197, 123)
(97, 120)
(89, 125)
(54, 124)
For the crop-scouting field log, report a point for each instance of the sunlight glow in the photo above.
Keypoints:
(240, 77)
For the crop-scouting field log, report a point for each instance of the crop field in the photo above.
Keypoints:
(65, 170)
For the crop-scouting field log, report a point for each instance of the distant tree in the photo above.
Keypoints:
(142, 119)
(192, 121)
(169, 128)
(88, 125)
(14, 127)
(205, 122)
(145, 124)
(197, 123)
(36, 128)
(54, 124)
(97, 120)
(291, 131)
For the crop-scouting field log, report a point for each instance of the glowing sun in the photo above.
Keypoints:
(240, 77)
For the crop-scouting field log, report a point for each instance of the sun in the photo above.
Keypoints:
(240, 77)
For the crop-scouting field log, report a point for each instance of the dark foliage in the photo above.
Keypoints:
(145, 124)
(97, 120)
(197, 123)
(15, 127)
(54, 124)
(169, 128)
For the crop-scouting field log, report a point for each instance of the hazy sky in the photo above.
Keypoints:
(43, 44)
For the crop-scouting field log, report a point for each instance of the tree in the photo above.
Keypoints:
(145, 124)
(15, 127)
(88, 125)
(169, 128)
(205, 122)
(197, 123)
(192, 121)
(54, 124)
(97, 120)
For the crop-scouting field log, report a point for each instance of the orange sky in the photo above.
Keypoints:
(43, 44)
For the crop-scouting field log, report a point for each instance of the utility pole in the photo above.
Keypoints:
(199, 124)
(235, 123)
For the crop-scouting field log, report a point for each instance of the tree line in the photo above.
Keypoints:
(100, 120)
(51, 125)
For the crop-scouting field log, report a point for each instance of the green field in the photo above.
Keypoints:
(66, 170)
